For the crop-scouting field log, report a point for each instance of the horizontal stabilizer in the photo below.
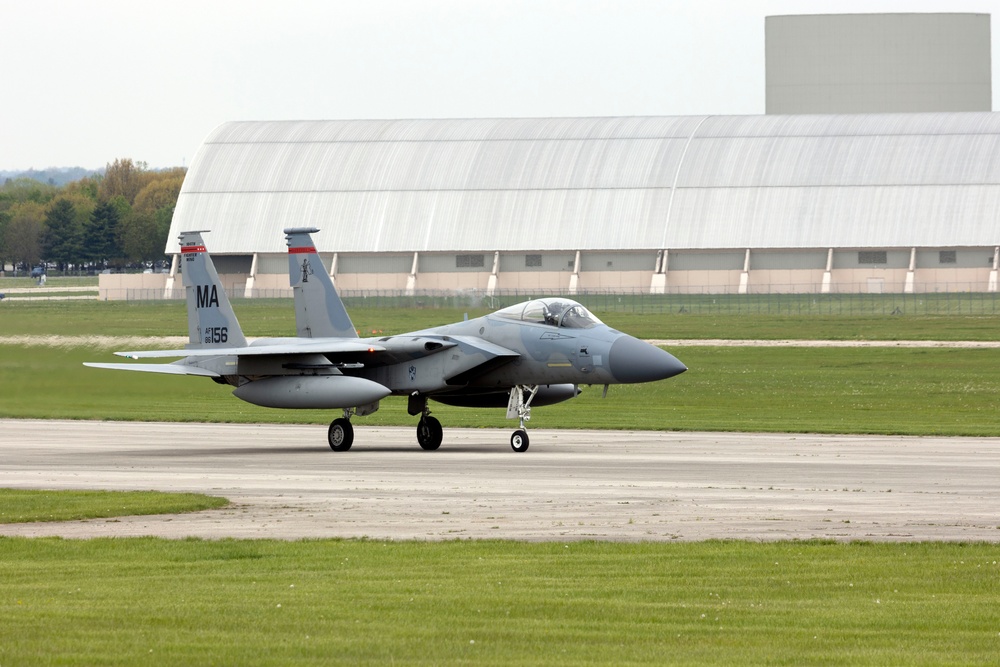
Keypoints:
(169, 369)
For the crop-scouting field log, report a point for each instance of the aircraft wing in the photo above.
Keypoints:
(369, 353)
(170, 369)
(399, 349)
(307, 346)
(479, 355)
(402, 349)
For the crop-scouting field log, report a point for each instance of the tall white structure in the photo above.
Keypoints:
(878, 63)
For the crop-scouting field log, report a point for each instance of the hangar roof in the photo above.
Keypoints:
(626, 183)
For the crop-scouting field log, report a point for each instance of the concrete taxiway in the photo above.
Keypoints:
(284, 482)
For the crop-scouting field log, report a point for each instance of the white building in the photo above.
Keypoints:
(878, 63)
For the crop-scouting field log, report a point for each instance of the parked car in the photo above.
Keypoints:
(38, 272)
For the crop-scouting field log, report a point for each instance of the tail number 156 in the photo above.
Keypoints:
(217, 335)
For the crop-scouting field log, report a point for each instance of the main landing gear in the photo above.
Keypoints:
(341, 433)
(519, 407)
(429, 431)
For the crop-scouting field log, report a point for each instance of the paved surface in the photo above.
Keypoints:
(285, 483)
(736, 342)
(176, 342)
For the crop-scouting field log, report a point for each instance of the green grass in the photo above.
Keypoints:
(148, 601)
(823, 390)
(50, 296)
(91, 318)
(145, 601)
(906, 391)
(276, 317)
(807, 327)
(50, 281)
(26, 505)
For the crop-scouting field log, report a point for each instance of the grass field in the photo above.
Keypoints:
(824, 390)
(145, 601)
(276, 317)
(827, 390)
(28, 505)
(9, 282)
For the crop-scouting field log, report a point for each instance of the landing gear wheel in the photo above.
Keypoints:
(340, 435)
(519, 440)
(429, 433)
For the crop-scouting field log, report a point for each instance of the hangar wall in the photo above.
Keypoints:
(805, 203)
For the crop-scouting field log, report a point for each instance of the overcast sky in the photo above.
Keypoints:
(87, 81)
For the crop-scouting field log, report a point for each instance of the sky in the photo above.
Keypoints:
(88, 81)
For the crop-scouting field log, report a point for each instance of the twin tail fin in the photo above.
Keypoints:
(319, 312)
(211, 320)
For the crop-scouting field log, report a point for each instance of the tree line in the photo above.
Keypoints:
(118, 219)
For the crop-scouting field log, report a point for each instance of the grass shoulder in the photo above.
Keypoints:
(820, 390)
(137, 601)
(10, 282)
(276, 317)
(24, 505)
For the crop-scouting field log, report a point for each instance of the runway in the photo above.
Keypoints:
(285, 483)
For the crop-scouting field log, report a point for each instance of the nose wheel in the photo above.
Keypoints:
(519, 440)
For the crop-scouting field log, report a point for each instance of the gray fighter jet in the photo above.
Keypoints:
(532, 354)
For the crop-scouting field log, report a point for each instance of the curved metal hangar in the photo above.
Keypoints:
(811, 203)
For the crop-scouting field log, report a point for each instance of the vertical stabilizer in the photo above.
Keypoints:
(211, 320)
(319, 312)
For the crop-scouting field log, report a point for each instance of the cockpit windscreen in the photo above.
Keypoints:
(553, 312)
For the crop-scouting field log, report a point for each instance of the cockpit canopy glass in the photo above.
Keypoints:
(553, 312)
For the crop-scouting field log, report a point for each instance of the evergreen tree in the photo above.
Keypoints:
(100, 235)
(62, 242)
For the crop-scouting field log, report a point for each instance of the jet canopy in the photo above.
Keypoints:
(563, 313)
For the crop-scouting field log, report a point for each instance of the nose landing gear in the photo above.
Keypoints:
(519, 440)
(519, 407)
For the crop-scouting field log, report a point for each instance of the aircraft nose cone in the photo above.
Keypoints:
(632, 360)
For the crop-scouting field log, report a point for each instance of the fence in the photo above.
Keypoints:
(777, 304)
(941, 303)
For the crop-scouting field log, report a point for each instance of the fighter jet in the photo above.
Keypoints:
(529, 355)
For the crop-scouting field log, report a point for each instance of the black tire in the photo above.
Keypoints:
(519, 440)
(429, 433)
(341, 435)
